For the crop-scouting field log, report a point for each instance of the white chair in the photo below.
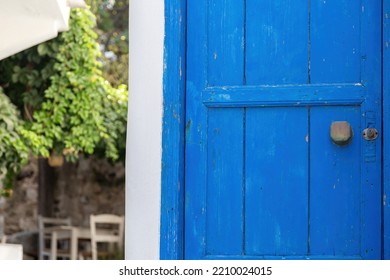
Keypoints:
(49, 246)
(109, 229)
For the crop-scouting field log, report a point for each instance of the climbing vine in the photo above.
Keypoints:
(67, 106)
(13, 151)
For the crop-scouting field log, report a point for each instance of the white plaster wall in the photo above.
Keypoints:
(143, 159)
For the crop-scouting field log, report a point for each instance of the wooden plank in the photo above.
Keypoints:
(254, 96)
(201, 27)
(226, 42)
(335, 186)
(273, 257)
(224, 226)
(371, 69)
(386, 130)
(276, 181)
(335, 37)
(276, 42)
(195, 131)
(172, 176)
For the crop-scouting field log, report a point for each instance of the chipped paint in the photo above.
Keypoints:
(269, 140)
(226, 96)
(181, 68)
(172, 175)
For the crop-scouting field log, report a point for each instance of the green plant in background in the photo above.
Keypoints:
(72, 115)
(67, 106)
(112, 27)
(13, 151)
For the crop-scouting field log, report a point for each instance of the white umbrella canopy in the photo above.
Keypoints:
(25, 23)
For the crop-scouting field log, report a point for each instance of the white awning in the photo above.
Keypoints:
(25, 23)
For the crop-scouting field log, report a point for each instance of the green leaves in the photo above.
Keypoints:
(68, 106)
(74, 114)
(13, 151)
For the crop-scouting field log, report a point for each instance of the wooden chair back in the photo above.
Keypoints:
(45, 238)
(106, 228)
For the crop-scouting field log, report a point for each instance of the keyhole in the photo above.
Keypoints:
(370, 134)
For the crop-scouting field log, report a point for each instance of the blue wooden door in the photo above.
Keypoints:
(266, 79)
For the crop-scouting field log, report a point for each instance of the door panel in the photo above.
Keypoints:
(226, 43)
(265, 82)
(276, 42)
(335, 40)
(224, 174)
(335, 186)
(276, 196)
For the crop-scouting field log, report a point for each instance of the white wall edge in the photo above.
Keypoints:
(144, 130)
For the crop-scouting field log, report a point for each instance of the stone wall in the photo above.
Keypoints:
(21, 209)
(90, 186)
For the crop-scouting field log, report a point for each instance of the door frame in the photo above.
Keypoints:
(173, 135)
(386, 129)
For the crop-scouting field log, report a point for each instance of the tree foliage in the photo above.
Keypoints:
(13, 151)
(67, 106)
(112, 28)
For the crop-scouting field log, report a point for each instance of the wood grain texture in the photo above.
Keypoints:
(386, 130)
(335, 186)
(196, 131)
(276, 42)
(224, 226)
(272, 179)
(276, 181)
(335, 41)
(226, 42)
(172, 176)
